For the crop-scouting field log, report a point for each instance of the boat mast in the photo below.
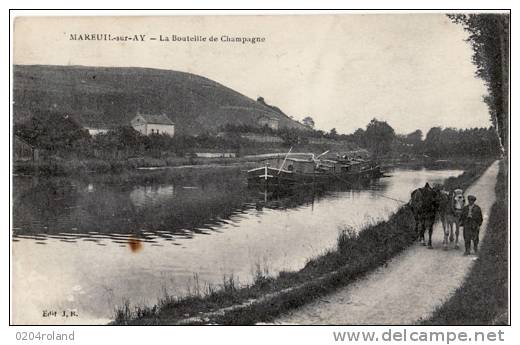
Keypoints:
(283, 163)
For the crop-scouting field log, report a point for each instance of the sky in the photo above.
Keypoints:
(412, 70)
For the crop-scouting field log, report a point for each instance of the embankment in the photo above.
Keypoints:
(63, 167)
(356, 254)
(483, 298)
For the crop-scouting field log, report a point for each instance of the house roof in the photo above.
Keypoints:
(156, 119)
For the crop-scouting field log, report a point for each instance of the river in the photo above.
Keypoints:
(82, 246)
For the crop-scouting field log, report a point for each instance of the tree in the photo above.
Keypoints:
(433, 140)
(450, 142)
(127, 137)
(489, 37)
(120, 139)
(333, 133)
(379, 136)
(52, 131)
(308, 121)
(359, 137)
(414, 138)
(290, 136)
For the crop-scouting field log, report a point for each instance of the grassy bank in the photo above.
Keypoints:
(356, 253)
(62, 167)
(182, 175)
(57, 165)
(483, 298)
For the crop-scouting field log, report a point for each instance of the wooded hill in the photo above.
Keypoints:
(110, 97)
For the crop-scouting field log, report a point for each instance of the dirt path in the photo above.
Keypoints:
(409, 287)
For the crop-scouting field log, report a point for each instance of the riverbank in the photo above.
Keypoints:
(56, 166)
(63, 167)
(407, 288)
(356, 254)
(483, 298)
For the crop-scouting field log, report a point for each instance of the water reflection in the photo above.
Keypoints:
(70, 210)
(117, 240)
(74, 209)
(143, 196)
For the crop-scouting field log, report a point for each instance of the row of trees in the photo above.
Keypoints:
(380, 138)
(489, 36)
(450, 141)
(60, 135)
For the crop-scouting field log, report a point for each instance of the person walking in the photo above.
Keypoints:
(471, 221)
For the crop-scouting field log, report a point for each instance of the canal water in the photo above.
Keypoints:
(83, 246)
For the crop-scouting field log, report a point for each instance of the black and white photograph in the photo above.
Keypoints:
(269, 170)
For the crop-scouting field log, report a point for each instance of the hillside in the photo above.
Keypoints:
(106, 96)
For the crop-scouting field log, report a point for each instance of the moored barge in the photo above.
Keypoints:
(280, 171)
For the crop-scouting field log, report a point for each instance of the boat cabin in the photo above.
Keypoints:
(304, 166)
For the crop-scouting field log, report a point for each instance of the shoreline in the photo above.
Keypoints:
(91, 167)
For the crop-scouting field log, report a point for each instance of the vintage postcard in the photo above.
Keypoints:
(331, 169)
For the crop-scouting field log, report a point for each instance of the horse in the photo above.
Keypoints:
(450, 205)
(456, 205)
(424, 203)
(444, 206)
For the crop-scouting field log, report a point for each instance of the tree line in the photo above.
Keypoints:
(381, 139)
(489, 36)
(61, 135)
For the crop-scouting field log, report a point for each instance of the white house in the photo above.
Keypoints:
(150, 124)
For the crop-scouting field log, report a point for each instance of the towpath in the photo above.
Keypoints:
(409, 287)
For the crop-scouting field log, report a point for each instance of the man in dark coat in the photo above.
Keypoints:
(471, 220)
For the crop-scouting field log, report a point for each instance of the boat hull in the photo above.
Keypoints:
(267, 176)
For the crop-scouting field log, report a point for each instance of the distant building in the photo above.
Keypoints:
(215, 154)
(23, 151)
(96, 130)
(270, 122)
(149, 124)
